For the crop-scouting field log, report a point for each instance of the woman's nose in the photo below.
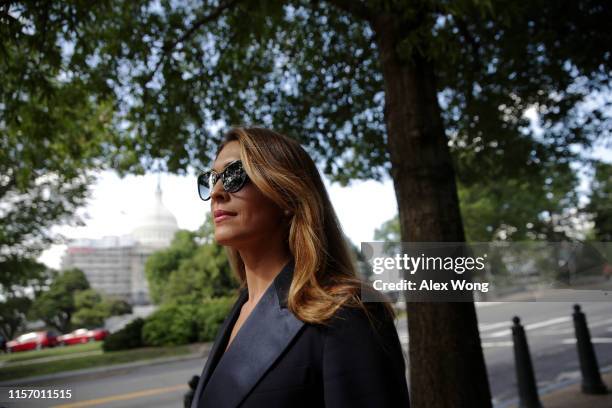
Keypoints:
(217, 192)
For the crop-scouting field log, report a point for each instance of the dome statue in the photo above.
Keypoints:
(157, 226)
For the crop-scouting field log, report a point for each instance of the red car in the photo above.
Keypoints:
(82, 336)
(607, 271)
(32, 341)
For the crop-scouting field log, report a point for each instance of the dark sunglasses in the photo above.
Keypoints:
(233, 178)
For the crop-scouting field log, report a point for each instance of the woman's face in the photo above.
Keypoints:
(256, 216)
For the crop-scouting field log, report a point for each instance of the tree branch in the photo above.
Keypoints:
(199, 23)
(354, 7)
(168, 47)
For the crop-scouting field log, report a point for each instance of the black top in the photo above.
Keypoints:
(276, 360)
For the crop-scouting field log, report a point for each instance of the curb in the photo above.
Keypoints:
(548, 391)
(201, 353)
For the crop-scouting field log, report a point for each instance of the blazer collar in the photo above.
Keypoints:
(227, 378)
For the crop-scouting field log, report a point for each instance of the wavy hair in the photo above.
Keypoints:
(324, 277)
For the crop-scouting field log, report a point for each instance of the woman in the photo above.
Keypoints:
(299, 335)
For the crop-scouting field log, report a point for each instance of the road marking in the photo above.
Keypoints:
(492, 326)
(594, 340)
(120, 397)
(491, 344)
(571, 329)
(532, 326)
(487, 304)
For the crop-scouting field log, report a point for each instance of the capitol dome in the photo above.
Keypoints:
(157, 225)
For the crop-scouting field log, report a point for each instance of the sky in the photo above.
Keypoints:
(116, 205)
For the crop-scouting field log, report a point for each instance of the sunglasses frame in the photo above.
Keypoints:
(216, 176)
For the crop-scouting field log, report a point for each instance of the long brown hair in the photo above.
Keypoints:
(324, 277)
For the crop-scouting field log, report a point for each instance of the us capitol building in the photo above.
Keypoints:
(114, 265)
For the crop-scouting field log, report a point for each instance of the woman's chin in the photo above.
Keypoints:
(224, 239)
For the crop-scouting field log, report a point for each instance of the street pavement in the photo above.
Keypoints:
(152, 386)
(549, 329)
(550, 335)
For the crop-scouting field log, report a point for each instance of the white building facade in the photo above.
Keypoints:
(114, 265)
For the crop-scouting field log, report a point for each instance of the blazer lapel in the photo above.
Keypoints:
(217, 350)
(260, 341)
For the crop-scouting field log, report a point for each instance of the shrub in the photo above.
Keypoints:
(128, 337)
(170, 325)
(210, 316)
(173, 324)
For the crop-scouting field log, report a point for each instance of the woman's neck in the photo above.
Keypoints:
(261, 267)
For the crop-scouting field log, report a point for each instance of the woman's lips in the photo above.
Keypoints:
(222, 217)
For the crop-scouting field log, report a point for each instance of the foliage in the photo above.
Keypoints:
(116, 307)
(322, 76)
(600, 205)
(170, 325)
(210, 315)
(93, 308)
(88, 312)
(539, 206)
(13, 315)
(54, 132)
(16, 300)
(193, 268)
(174, 324)
(127, 338)
(160, 265)
(56, 306)
(535, 208)
(70, 302)
(389, 231)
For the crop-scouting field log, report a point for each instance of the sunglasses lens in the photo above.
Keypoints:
(234, 177)
(204, 181)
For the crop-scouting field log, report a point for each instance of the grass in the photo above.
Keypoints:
(77, 363)
(50, 352)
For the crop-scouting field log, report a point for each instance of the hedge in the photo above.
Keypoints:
(128, 337)
(172, 325)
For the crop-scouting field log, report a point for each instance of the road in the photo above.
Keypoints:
(549, 329)
(550, 335)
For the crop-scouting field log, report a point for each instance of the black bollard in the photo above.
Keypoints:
(591, 378)
(528, 391)
(193, 383)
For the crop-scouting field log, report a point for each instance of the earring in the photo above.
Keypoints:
(287, 212)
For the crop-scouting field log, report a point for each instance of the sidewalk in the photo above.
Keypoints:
(572, 397)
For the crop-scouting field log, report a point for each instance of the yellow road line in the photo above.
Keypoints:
(119, 397)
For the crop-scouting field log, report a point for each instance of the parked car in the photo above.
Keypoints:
(32, 341)
(82, 336)
(607, 271)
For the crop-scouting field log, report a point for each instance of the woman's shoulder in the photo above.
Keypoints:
(363, 340)
(362, 312)
(368, 320)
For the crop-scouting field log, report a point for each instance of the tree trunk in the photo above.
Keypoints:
(447, 366)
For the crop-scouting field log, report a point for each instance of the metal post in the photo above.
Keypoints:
(188, 397)
(591, 378)
(528, 390)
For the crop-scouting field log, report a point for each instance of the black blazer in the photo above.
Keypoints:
(276, 360)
